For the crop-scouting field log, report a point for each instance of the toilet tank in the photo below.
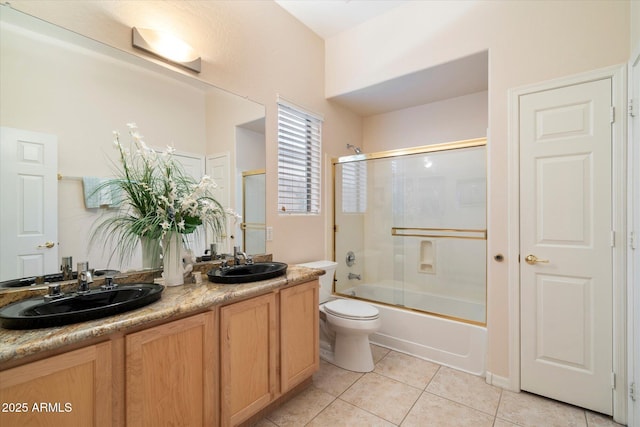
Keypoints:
(326, 280)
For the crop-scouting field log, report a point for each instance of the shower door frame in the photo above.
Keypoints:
(432, 148)
(244, 226)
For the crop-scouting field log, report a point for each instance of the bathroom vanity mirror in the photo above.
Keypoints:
(59, 83)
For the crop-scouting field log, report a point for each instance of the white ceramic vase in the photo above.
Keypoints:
(173, 270)
(150, 253)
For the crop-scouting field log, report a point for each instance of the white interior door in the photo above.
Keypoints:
(29, 207)
(218, 167)
(566, 222)
(194, 166)
(634, 259)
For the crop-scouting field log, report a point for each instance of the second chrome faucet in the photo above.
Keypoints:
(237, 253)
(85, 277)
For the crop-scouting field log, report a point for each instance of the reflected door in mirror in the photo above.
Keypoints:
(29, 208)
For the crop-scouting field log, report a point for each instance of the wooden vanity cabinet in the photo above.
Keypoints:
(70, 389)
(247, 357)
(170, 374)
(299, 329)
(219, 367)
(268, 345)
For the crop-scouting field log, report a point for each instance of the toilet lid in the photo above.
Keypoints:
(351, 309)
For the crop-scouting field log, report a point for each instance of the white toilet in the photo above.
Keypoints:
(345, 325)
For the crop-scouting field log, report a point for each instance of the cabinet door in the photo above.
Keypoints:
(247, 357)
(70, 389)
(169, 374)
(299, 343)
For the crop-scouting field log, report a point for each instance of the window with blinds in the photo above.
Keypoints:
(354, 187)
(299, 137)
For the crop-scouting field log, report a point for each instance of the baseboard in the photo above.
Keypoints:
(498, 381)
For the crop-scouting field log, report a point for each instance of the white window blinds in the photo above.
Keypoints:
(299, 137)
(354, 187)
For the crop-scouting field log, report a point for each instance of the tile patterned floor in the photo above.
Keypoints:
(407, 391)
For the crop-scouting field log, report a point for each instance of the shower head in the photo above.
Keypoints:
(354, 148)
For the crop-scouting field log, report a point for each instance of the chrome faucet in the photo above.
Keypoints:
(67, 267)
(354, 276)
(237, 253)
(85, 277)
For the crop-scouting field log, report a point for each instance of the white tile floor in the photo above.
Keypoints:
(407, 391)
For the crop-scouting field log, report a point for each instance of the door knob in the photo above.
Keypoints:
(47, 245)
(532, 259)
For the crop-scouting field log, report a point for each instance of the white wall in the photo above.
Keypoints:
(635, 26)
(224, 113)
(455, 119)
(528, 41)
(251, 150)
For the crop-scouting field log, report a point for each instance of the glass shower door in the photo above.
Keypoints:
(415, 225)
(439, 230)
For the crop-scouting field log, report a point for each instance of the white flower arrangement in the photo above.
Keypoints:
(157, 198)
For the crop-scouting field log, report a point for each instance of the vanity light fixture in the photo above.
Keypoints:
(166, 46)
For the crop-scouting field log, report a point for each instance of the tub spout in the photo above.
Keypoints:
(354, 276)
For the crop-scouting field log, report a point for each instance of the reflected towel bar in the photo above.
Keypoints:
(252, 226)
(74, 178)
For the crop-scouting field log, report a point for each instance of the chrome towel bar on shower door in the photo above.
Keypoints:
(448, 233)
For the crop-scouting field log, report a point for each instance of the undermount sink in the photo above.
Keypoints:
(247, 272)
(44, 312)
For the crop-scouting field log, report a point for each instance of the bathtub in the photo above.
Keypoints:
(448, 342)
(423, 301)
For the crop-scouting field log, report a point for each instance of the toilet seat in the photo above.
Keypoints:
(351, 309)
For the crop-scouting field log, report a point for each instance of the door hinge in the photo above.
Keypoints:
(632, 111)
(612, 114)
(632, 391)
(613, 239)
(613, 380)
(632, 240)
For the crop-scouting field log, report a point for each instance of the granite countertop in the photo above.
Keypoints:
(176, 301)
